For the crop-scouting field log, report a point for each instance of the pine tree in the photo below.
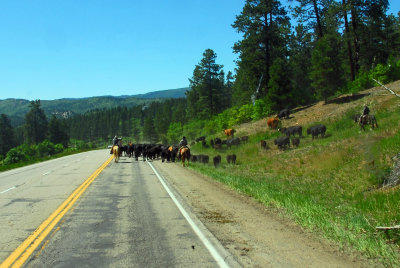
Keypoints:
(207, 88)
(266, 28)
(35, 124)
(7, 140)
(58, 131)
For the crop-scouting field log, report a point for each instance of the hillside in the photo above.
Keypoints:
(17, 108)
(333, 186)
(375, 98)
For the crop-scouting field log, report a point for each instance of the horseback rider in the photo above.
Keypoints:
(365, 113)
(116, 141)
(182, 144)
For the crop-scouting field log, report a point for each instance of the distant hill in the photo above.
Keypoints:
(16, 109)
(164, 94)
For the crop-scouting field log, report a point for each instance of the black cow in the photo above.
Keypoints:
(193, 158)
(231, 158)
(292, 130)
(284, 113)
(138, 148)
(295, 142)
(174, 152)
(165, 153)
(154, 151)
(202, 138)
(234, 141)
(316, 130)
(244, 139)
(130, 150)
(217, 160)
(203, 158)
(282, 142)
(204, 143)
(217, 143)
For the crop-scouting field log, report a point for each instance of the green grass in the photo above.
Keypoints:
(330, 185)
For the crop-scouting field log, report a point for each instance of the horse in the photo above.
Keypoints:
(185, 155)
(116, 152)
(368, 120)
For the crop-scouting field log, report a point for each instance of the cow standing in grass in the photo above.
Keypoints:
(217, 160)
(317, 130)
(229, 132)
(273, 122)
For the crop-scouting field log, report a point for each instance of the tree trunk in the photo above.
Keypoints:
(319, 25)
(349, 50)
(356, 42)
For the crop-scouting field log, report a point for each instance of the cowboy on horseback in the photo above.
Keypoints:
(365, 113)
(182, 144)
(116, 141)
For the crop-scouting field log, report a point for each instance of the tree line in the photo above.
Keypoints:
(288, 56)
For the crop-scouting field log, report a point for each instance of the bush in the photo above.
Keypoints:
(45, 148)
(260, 110)
(15, 155)
(193, 129)
(211, 127)
(244, 115)
(174, 133)
(58, 148)
(383, 73)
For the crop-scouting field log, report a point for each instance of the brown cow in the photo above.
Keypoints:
(273, 122)
(229, 132)
(263, 144)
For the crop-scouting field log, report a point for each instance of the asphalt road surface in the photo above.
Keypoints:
(125, 218)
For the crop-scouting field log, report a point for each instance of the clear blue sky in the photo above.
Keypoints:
(71, 49)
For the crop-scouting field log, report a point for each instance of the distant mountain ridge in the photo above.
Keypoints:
(16, 109)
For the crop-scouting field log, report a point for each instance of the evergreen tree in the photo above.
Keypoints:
(207, 88)
(149, 135)
(280, 87)
(7, 140)
(326, 71)
(35, 124)
(266, 28)
(58, 132)
(301, 47)
(312, 12)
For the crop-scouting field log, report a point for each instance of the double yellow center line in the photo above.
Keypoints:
(22, 253)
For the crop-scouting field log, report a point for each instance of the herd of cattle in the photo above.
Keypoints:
(168, 153)
(290, 137)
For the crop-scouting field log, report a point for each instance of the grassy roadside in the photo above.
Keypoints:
(329, 185)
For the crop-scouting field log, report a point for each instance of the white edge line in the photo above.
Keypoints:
(218, 258)
(9, 189)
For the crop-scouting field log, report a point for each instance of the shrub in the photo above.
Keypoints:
(45, 148)
(244, 115)
(174, 133)
(15, 155)
(193, 129)
(260, 110)
(58, 148)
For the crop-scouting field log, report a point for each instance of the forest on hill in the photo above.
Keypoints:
(16, 109)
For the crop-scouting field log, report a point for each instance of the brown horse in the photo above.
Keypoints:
(368, 120)
(185, 155)
(116, 152)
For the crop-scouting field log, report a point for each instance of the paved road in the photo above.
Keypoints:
(124, 219)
